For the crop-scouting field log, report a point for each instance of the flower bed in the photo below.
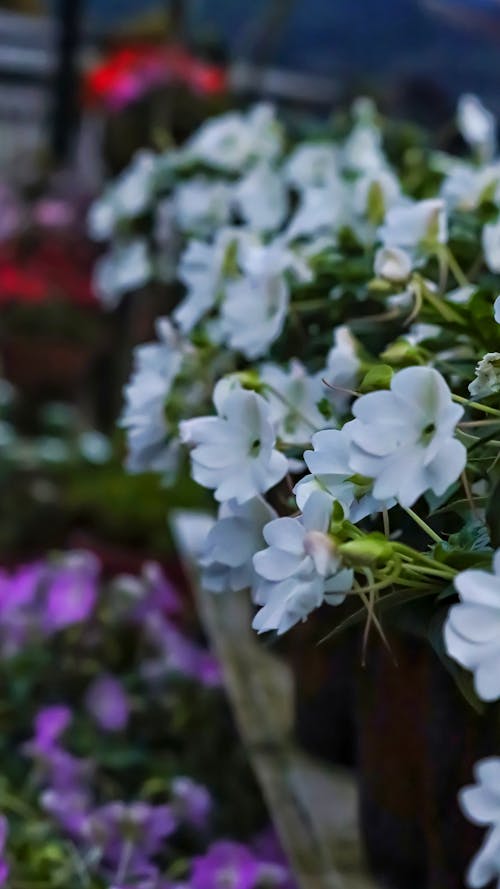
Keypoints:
(113, 719)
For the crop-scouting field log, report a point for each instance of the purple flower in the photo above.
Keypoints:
(192, 802)
(226, 865)
(72, 591)
(108, 704)
(69, 808)
(4, 867)
(19, 606)
(50, 723)
(178, 654)
(163, 594)
(274, 866)
(143, 827)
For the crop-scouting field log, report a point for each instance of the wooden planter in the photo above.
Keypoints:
(418, 740)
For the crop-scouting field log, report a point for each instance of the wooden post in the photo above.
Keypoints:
(313, 807)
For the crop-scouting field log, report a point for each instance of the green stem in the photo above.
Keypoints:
(290, 406)
(460, 275)
(423, 525)
(485, 408)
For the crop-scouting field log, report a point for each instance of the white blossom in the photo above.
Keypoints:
(496, 310)
(300, 568)
(128, 197)
(156, 366)
(472, 629)
(234, 452)
(203, 271)
(261, 198)
(321, 209)
(293, 395)
(342, 368)
(404, 438)
(362, 150)
(255, 306)
(466, 186)
(331, 473)
(491, 245)
(394, 264)
(126, 267)
(227, 555)
(480, 803)
(414, 226)
(229, 142)
(202, 205)
(487, 379)
(312, 166)
(477, 125)
(381, 182)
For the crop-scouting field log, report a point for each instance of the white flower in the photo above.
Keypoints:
(342, 368)
(255, 307)
(487, 377)
(481, 805)
(491, 245)
(234, 452)
(466, 186)
(201, 205)
(202, 269)
(230, 141)
(362, 150)
(128, 266)
(472, 629)
(156, 365)
(414, 226)
(393, 264)
(404, 438)
(128, 197)
(382, 181)
(331, 472)
(496, 309)
(477, 125)
(300, 569)
(226, 557)
(293, 396)
(321, 209)
(261, 198)
(311, 166)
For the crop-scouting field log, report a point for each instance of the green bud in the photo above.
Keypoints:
(366, 550)
(402, 354)
(375, 205)
(250, 379)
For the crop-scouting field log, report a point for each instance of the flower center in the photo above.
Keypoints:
(427, 433)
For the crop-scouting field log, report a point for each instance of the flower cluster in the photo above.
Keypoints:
(339, 308)
(103, 771)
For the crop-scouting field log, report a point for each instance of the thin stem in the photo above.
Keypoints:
(423, 525)
(476, 405)
(290, 406)
(460, 275)
(422, 569)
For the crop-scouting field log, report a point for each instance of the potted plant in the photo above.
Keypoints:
(333, 368)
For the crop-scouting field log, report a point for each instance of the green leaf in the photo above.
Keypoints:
(378, 377)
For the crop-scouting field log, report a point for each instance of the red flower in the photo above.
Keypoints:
(131, 72)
